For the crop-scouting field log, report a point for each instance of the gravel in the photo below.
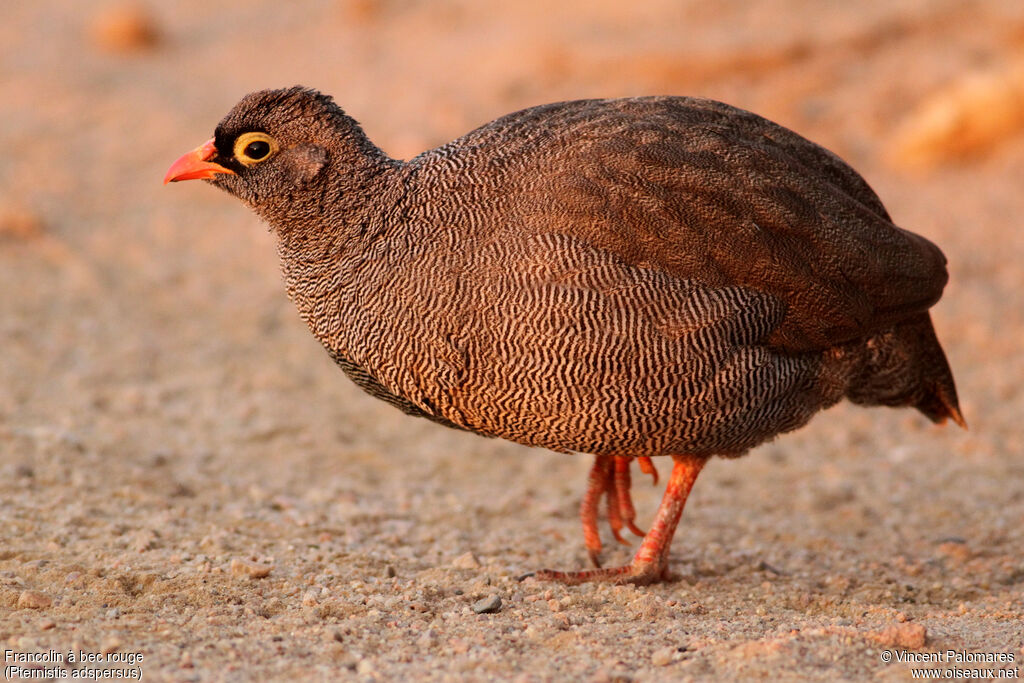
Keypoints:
(176, 449)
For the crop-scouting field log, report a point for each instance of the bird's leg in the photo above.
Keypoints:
(651, 560)
(598, 483)
(654, 550)
(615, 513)
(625, 502)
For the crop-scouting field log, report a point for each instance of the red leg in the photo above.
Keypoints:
(651, 560)
(597, 485)
(614, 510)
(622, 485)
(654, 549)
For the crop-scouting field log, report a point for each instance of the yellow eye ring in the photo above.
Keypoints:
(252, 148)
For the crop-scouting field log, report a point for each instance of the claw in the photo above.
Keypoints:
(647, 467)
(637, 531)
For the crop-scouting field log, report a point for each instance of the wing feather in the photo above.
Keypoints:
(714, 194)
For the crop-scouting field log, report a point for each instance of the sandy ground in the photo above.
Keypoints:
(185, 476)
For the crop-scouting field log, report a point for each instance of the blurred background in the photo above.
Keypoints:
(161, 405)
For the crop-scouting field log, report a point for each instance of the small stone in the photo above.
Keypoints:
(907, 635)
(253, 571)
(19, 223)
(610, 676)
(958, 552)
(310, 598)
(365, 667)
(34, 600)
(47, 625)
(145, 540)
(459, 646)
(663, 657)
(363, 11)
(488, 605)
(466, 561)
(124, 28)
(429, 638)
(113, 613)
(110, 645)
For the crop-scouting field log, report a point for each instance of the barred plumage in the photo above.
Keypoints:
(637, 277)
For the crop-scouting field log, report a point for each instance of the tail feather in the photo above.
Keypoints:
(938, 405)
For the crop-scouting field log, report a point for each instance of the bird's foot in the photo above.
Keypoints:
(610, 478)
(639, 574)
(651, 561)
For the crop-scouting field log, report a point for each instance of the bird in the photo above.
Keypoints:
(625, 278)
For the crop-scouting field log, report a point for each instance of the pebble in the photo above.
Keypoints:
(47, 625)
(364, 11)
(488, 605)
(610, 676)
(429, 638)
(110, 645)
(459, 646)
(124, 28)
(310, 598)
(663, 657)
(34, 600)
(19, 222)
(907, 635)
(959, 552)
(466, 561)
(254, 571)
(145, 540)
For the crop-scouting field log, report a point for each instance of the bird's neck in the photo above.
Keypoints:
(326, 241)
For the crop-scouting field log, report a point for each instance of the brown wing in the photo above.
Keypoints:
(711, 193)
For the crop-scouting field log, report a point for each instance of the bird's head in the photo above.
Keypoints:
(275, 146)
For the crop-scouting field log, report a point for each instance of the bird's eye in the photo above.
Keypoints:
(257, 150)
(252, 148)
